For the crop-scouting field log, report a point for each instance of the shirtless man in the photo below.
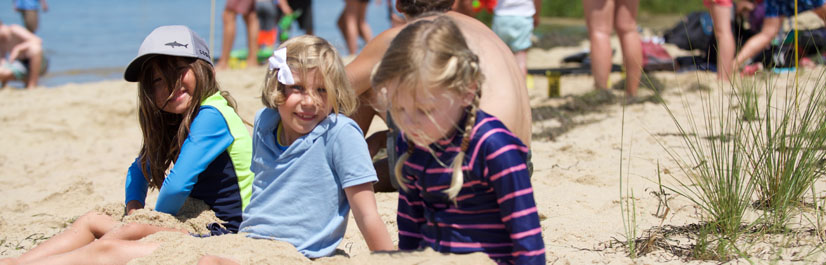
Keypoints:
(21, 55)
(504, 94)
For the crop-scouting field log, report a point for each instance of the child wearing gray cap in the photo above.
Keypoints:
(185, 119)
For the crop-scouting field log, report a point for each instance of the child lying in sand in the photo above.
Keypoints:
(185, 119)
(464, 181)
(311, 162)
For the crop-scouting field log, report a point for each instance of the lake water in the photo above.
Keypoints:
(93, 40)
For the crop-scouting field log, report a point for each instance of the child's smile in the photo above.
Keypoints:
(179, 101)
(305, 105)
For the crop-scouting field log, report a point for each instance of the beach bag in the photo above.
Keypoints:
(655, 57)
(695, 32)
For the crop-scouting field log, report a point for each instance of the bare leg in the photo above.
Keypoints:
(363, 28)
(229, 38)
(721, 15)
(383, 174)
(626, 25)
(30, 19)
(136, 231)
(35, 55)
(5, 76)
(350, 20)
(251, 20)
(599, 15)
(215, 260)
(107, 251)
(522, 61)
(83, 231)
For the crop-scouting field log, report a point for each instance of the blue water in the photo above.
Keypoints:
(92, 40)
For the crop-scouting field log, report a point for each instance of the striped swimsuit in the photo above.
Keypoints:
(495, 210)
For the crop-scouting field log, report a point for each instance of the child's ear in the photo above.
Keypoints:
(469, 95)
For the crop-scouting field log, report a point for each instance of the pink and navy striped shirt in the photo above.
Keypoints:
(494, 212)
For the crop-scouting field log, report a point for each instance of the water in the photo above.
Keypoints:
(92, 40)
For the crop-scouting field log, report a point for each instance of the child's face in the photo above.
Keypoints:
(180, 97)
(305, 104)
(427, 115)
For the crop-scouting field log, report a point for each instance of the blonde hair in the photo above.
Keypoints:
(428, 54)
(305, 53)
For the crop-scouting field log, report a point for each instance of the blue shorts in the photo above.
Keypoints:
(785, 8)
(514, 30)
(27, 4)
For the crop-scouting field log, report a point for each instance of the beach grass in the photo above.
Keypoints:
(749, 162)
(628, 205)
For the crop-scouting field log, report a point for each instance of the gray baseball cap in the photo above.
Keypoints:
(173, 40)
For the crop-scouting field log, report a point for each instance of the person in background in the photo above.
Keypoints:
(720, 11)
(396, 18)
(603, 16)
(294, 10)
(776, 11)
(353, 25)
(513, 22)
(29, 11)
(21, 55)
(246, 8)
(265, 9)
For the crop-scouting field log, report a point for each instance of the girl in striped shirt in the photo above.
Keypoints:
(465, 186)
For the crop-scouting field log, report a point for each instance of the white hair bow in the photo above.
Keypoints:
(278, 60)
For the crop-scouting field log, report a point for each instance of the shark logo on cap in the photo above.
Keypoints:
(176, 44)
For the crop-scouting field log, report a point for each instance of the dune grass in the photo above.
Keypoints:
(628, 205)
(747, 152)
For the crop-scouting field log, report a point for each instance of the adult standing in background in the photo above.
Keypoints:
(513, 22)
(245, 8)
(603, 16)
(720, 11)
(353, 25)
(28, 10)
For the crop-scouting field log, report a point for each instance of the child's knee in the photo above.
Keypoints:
(95, 222)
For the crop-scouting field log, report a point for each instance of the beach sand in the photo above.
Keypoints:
(66, 150)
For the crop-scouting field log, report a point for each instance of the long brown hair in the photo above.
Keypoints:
(164, 132)
(429, 54)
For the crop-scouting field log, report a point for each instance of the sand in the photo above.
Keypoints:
(66, 150)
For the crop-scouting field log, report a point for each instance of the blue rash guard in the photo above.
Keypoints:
(213, 166)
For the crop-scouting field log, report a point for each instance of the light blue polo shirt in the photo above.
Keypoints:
(298, 194)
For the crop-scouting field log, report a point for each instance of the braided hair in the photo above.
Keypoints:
(433, 53)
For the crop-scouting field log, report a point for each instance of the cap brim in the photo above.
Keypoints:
(134, 67)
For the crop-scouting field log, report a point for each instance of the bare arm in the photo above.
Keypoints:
(132, 206)
(285, 7)
(537, 5)
(359, 70)
(27, 40)
(759, 42)
(372, 228)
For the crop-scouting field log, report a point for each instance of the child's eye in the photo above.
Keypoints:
(297, 89)
(322, 90)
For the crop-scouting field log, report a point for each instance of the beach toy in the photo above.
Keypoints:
(238, 58)
(285, 23)
(486, 4)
